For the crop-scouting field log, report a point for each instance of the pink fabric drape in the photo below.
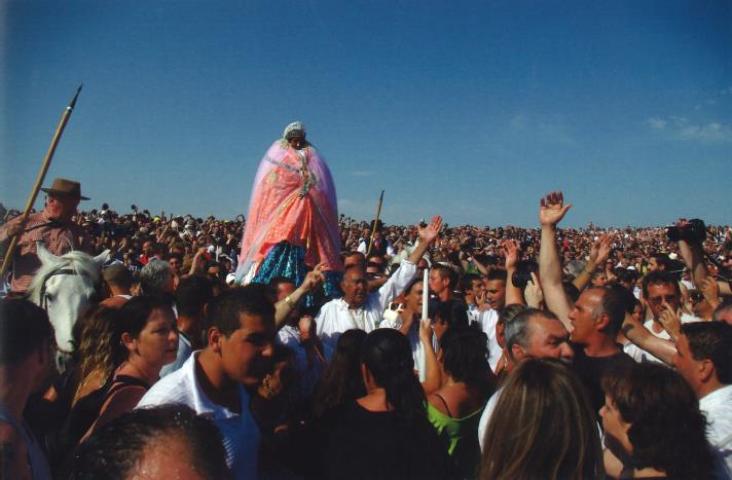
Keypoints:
(293, 200)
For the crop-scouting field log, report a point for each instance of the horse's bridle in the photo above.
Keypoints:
(42, 294)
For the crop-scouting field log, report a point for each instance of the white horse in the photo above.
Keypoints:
(64, 287)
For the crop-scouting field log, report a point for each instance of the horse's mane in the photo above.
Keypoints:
(81, 263)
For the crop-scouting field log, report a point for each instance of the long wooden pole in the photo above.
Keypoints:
(39, 179)
(376, 223)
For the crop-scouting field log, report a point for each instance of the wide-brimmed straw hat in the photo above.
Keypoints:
(65, 187)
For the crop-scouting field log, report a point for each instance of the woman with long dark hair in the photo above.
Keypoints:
(454, 409)
(385, 434)
(341, 382)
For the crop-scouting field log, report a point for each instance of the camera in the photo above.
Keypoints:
(693, 231)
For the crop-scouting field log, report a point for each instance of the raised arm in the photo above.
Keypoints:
(433, 377)
(638, 334)
(551, 211)
(511, 252)
(283, 308)
(427, 236)
(693, 255)
(599, 252)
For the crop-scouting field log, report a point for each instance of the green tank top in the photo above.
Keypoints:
(460, 435)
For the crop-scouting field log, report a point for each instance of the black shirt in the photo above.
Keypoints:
(379, 445)
(590, 371)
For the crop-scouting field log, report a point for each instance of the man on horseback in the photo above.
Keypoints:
(53, 226)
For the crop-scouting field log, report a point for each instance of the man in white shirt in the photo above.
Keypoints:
(495, 288)
(360, 310)
(704, 358)
(212, 380)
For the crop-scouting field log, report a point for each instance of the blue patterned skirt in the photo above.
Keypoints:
(285, 260)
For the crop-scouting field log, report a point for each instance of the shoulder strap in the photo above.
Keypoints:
(447, 409)
(122, 381)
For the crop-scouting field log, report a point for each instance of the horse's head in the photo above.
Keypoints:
(64, 287)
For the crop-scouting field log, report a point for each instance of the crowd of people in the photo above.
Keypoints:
(545, 352)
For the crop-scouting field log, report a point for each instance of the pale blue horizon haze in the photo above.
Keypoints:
(472, 110)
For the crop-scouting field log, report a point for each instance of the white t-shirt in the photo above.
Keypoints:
(239, 431)
(488, 320)
(717, 407)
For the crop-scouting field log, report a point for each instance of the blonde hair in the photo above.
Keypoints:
(96, 349)
(542, 427)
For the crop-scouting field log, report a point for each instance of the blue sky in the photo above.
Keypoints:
(468, 109)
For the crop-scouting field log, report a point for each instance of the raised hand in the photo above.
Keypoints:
(552, 209)
(429, 233)
(533, 293)
(314, 277)
(425, 330)
(670, 321)
(600, 250)
(511, 252)
(710, 290)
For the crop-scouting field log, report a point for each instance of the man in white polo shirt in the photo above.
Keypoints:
(212, 381)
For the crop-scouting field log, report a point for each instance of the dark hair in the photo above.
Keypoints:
(341, 380)
(659, 277)
(465, 354)
(279, 280)
(132, 318)
(467, 281)
(388, 357)
(114, 450)
(411, 284)
(24, 328)
(713, 341)
(721, 308)
(626, 296)
(667, 429)
(497, 274)
(192, 294)
(571, 291)
(452, 312)
(224, 310)
(613, 304)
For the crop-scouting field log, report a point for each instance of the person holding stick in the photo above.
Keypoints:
(53, 226)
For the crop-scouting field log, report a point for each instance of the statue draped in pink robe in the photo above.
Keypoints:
(294, 201)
